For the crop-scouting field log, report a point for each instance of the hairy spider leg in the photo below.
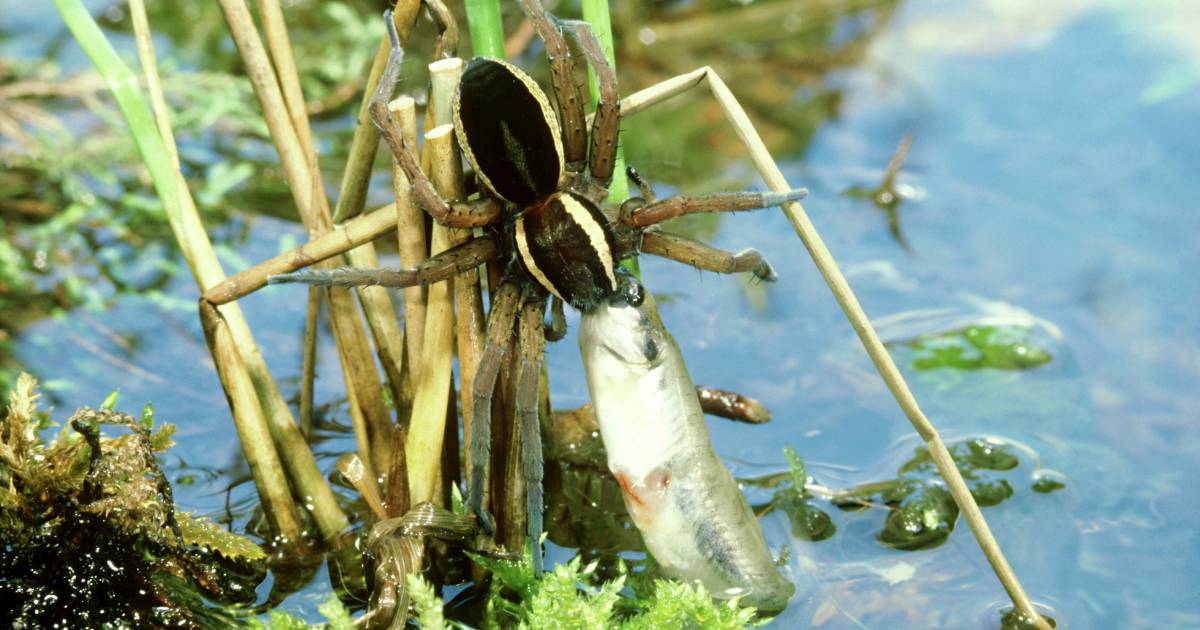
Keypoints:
(532, 345)
(443, 266)
(639, 213)
(495, 351)
(679, 205)
(707, 257)
(462, 215)
(447, 44)
(557, 328)
(566, 90)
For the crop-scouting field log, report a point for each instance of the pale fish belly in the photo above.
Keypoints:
(694, 520)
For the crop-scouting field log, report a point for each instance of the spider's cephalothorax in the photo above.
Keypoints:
(543, 193)
(509, 134)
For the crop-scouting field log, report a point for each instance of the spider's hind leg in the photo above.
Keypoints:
(532, 345)
(495, 355)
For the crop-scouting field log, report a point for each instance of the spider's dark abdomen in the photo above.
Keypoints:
(508, 131)
(566, 244)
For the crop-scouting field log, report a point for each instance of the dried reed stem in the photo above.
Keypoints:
(426, 431)
(444, 77)
(341, 239)
(252, 428)
(410, 235)
(353, 349)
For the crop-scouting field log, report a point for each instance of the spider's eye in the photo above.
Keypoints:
(508, 131)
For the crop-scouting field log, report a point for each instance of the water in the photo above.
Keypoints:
(1051, 176)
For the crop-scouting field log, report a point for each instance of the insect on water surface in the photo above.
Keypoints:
(542, 208)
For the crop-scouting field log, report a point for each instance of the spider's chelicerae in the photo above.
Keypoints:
(544, 219)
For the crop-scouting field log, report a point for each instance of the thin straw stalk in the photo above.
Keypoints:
(858, 319)
(280, 45)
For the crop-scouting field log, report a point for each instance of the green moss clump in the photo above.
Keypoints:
(91, 532)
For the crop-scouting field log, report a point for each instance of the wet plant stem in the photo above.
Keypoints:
(487, 31)
(309, 363)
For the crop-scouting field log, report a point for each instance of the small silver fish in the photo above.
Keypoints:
(691, 514)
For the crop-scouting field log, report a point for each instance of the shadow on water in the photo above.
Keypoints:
(1027, 255)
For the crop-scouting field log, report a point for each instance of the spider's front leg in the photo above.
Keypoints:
(532, 345)
(639, 212)
(566, 91)
(461, 215)
(453, 261)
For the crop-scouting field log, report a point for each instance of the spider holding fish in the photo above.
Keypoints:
(542, 214)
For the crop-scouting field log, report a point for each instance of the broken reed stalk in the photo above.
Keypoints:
(157, 148)
(468, 301)
(353, 349)
(308, 365)
(426, 432)
(842, 292)
(410, 234)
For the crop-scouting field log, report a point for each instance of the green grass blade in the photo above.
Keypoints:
(126, 91)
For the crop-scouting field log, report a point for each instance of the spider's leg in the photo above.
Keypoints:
(707, 257)
(643, 186)
(445, 265)
(447, 27)
(678, 205)
(607, 121)
(557, 328)
(500, 330)
(474, 214)
(566, 91)
(532, 345)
